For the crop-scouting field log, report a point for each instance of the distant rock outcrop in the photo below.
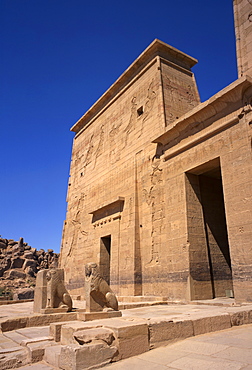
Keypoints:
(19, 264)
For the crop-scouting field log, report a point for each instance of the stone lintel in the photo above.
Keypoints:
(156, 48)
(118, 201)
(217, 104)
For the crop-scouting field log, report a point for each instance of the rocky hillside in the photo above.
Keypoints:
(19, 264)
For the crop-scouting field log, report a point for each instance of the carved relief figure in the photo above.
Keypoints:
(99, 149)
(132, 121)
(57, 295)
(89, 151)
(179, 95)
(154, 198)
(151, 97)
(114, 148)
(130, 211)
(77, 223)
(99, 290)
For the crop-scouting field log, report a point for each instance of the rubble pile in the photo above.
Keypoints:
(19, 264)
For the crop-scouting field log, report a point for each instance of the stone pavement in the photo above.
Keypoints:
(229, 349)
(193, 326)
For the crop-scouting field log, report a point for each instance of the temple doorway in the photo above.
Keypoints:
(105, 256)
(209, 255)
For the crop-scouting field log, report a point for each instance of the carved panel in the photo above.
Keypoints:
(155, 199)
(76, 221)
(100, 148)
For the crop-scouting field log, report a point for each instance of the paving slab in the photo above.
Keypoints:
(34, 332)
(6, 342)
(37, 366)
(14, 336)
(196, 362)
(206, 352)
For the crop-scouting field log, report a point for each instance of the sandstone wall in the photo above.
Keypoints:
(214, 145)
(116, 184)
(243, 32)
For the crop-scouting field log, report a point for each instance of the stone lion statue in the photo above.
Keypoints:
(57, 295)
(99, 288)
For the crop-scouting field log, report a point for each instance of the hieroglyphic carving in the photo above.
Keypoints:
(247, 102)
(89, 151)
(190, 95)
(154, 198)
(77, 223)
(87, 159)
(114, 148)
(130, 211)
(151, 97)
(132, 121)
(134, 116)
(178, 94)
(99, 149)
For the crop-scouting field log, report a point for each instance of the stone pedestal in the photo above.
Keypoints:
(54, 310)
(40, 294)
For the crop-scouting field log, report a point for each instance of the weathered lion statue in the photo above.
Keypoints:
(57, 295)
(99, 288)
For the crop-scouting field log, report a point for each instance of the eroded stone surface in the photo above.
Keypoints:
(50, 292)
(97, 291)
(73, 357)
(90, 335)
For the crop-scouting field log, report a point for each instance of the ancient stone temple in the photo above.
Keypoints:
(160, 184)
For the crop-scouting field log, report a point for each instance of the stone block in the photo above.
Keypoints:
(13, 358)
(162, 331)
(240, 318)
(39, 340)
(89, 316)
(69, 329)
(75, 357)
(52, 355)
(208, 324)
(96, 334)
(41, 320)
(55, 330)
(40, 294)
(131, 336)
(15, 323)
(36, 350)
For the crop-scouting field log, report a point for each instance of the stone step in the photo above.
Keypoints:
(52, 355)
(141, 298)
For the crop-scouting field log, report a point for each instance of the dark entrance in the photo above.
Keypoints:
(210, 263)
(105, 250)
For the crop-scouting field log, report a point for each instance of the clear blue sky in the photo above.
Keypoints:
(57, 58)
